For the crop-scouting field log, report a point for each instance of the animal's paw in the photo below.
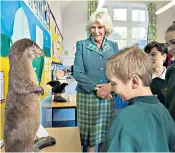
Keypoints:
(41, 90)
(38, 90)
(36, 150)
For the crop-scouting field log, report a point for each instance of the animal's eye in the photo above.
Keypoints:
(112, 84)
(173, 42)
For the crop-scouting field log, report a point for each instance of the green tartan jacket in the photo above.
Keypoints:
(90, 63)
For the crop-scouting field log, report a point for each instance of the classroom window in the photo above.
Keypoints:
(130, 23)
(105, 9)
(138, 15)
(119, 35)
(139, 37)
(120, 14)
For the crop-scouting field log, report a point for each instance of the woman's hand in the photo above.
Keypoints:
(104, 91)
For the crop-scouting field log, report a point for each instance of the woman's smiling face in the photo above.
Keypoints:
(98, 31)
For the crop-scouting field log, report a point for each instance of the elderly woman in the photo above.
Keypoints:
(95, 104)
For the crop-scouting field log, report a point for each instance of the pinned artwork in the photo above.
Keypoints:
(66, 52)
(39, 36)
(2, 86)
(20, 22)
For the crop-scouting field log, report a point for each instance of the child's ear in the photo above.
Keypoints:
(164, 57)
(134, 81)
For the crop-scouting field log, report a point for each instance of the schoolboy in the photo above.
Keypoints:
(145, 125)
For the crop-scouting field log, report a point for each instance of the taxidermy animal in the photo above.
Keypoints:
(22, 106)
(57, 87)
(54, 83)
(57, 90)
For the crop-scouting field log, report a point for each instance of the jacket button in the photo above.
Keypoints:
(101, 57)
(101, 80)
(101, 69)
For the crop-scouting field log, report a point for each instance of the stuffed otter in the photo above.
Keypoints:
(22, 106)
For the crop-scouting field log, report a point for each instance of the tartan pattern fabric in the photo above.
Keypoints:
(94, 118)
(105, 45)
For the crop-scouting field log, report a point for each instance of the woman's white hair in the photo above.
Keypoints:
(103, 18)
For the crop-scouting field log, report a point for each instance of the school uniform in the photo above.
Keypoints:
(170, 95)
(94, 114)
(145, 125)
(162, 76)
(158, 86)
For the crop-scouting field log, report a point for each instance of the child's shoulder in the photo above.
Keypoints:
(138, 111)
(127, 113)
(171, 67)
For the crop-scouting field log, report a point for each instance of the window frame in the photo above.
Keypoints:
(129, 24)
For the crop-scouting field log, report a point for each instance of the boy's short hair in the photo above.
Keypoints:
(130, 61)
(170, 28)
(161, 47)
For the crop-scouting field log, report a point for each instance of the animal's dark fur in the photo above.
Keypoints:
(22, 106)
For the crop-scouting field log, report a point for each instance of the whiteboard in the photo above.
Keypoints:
(1, 86)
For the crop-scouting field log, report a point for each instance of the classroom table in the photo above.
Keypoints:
(70, 104)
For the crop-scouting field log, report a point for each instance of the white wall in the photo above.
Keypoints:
(164, 20)
(74, 20)
(55, 8)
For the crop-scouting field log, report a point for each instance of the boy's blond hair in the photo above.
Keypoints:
(130, 61)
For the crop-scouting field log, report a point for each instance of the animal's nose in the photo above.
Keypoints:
(41, 51)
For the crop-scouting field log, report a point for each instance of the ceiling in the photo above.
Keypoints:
(63, 4)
